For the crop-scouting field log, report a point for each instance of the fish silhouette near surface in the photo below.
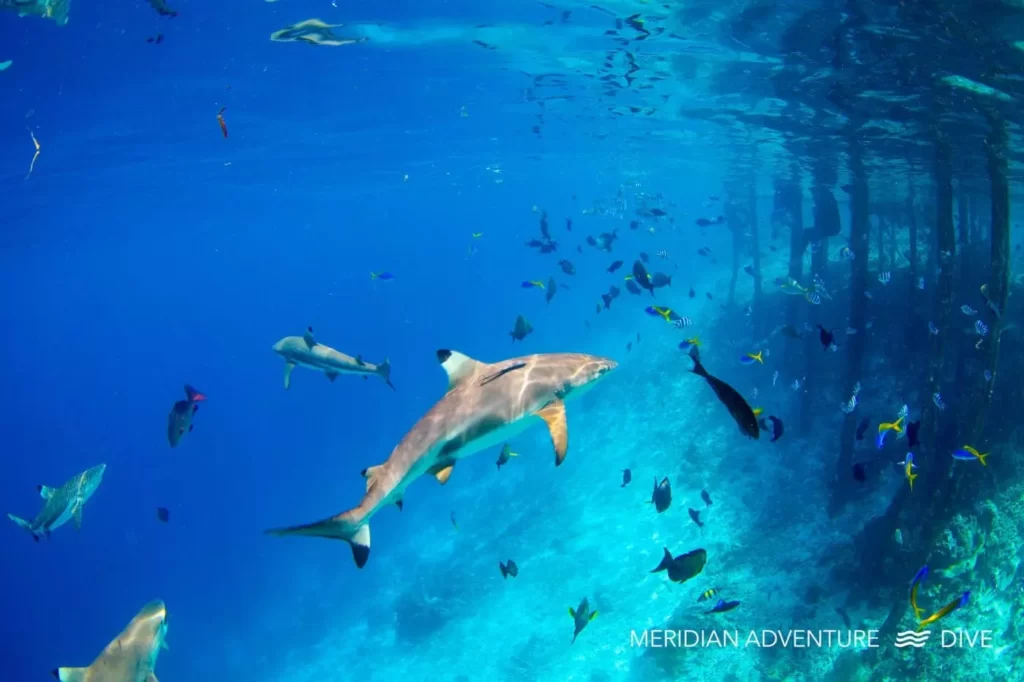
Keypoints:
(131, 657)
(581, 617)
(179, 421)
(486, 404)
(62, 504)
(304, 351)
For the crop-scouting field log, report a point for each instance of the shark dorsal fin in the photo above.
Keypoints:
(458, 366)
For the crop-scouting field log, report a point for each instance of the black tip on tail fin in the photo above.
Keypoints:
(443, 355)
(360, 554)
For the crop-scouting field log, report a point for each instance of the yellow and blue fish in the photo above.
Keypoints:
(381, 275)
(667, 313)
(968, 454)
(949, 608)
(751, 358)
(686, 344)
(708, 594)
(532, 283)
(908, 465)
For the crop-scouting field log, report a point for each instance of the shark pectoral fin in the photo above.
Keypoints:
(45, 492)
(458, 366)
(331, 376)
(22, 523)
(164, 645)
(70, 674)
(359, 360)
(369, 473)
(442, 475)
(554, 415)
(77, 514)
(288, 367)
(308, 338)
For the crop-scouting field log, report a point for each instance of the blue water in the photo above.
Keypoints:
(146, 251)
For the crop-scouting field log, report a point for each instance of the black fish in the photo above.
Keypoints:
(544, 226)
(644, 257)
(163, 514)
(179, 421)
(913, 429)
(708, 294)
(614, 292)
(862, 427)
(684, 566)
(607, 301)
(605, 240)
(549, 247)
(707, 498)
(641, 278)
(568, 224)
(693, 294)
(508, 569)
(657, 212)
(591, 241)
(662, 495)
(749, 269)
(660, 279)
(860, 473)
(627, 476)
(615, 266)
(521, 330)
(695, 517)
(162, 9)
(551, 289)
(775, 429)
(739, 409)
(567, 267)
(632, 287)
(634, 224)
(827, 337)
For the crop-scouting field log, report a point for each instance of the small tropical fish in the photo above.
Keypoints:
(683, 567)
(980, 327)
(627, 476)
(937, 399)
(704, 251)
(751, 358)
(220, 121)
(738, 408)
(659, 311)
(968, 310)
(880, 439)
(796, 384)
(908, 465)
(706, 497)
(896, 426)
(662, 495)
(753, 393)
(477, 235)
(813, 298)
(452, 517)
(381, 275)
(932, 329)
(163, 514)
(775, 428)
(508, 569)
(521, 330)
(686, 343)
(693, 294)
(846, 253)
(850, 405)
(827, 337)
(708, 594)
(682, 322)
(695, 517)
(505, 454)
(179, 421)
(904, 411)
(884, 277)
(641, 277)
(920, 283)
(988, 375)
(581, 617)
(775, 377)
(914, 585)
(532, 283)
(615, 266)
(969, 454)
(722, 606)
(567, 267)
(663, 254)
(913, 429)
(949, 608)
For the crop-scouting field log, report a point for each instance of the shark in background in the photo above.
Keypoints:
(486, 404)
(306, 352)
(62, 504)
(131, 657)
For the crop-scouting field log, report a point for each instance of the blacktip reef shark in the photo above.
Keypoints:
(486, 404)
(62, 504)
(131, 657)
(305, 351)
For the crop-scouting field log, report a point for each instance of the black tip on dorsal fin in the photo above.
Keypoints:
(443, 355)
(56, 673)
(39, 488)
(309, 330)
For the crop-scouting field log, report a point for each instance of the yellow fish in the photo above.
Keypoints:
(944, 611)
(755, 358)
(892, 426)
(758, 411)
(477, 235)
(533, 283)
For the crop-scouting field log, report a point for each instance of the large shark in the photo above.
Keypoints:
(62, 504)
(485, 405)
(131, 657)
(305, 351)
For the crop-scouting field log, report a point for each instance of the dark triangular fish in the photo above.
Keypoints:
(776, 428)
(508, 569)
(683, 567)
(641, 278)
(662, 495)
(627, 476)
(551, 289)
(521, 330)
(695, 517)
(707, 498)
(544, 226)
(615, 266)
(741, 412)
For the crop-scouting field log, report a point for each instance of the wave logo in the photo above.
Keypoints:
(911, 638)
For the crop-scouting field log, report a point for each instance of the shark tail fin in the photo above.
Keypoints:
(70, 674)
(340, 527)
(384, 370)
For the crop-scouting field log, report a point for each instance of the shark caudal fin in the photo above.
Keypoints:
(338, 527)
(384, 370)
(70, 674)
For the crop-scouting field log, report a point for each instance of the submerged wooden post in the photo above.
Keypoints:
(733, 223)
(755, 246)
(826, 222)
(860, 229)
